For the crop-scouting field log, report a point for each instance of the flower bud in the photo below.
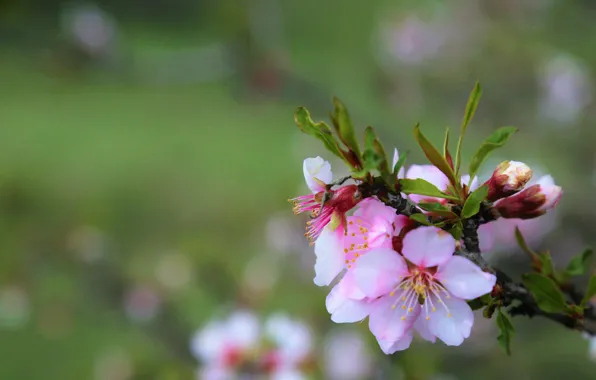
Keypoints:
(532, 202)
(507, 179)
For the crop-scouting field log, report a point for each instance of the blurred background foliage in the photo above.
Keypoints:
(147, 150)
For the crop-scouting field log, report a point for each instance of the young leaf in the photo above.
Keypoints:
(473, 101)
(494, 141)
(433, 155)
(319, 130)
(522, 243)
(343, 126)
(457, 231)
(438, 209)
(421, 218)
(507, 330)
(547, 294)
(422, 187)
(374, 155)
(400, 162)
(472, 205)
(579, 264)
(590, 291)
(547, 267)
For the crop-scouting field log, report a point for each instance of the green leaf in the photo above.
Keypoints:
(438, 209)
(319, 130)
(400, 162)
(547, 294)
(374, 154)
(343, 126)
(433, 155)
(494, 141)
(548, 269)
(422, 187)
(522, 243)
(473, 101)
(507, 330)
(476, 304)
(457, 231)
(472, 205)
(579, 264)
(421, 218)
(590, 291)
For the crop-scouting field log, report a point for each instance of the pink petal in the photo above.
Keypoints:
(349, 287)
(330, 256)
(429, 173)
(344, 309)
(464, 279)
(317, 172)
(428, 246)
(390, 347)
(486, 235)
(378, 272)
(452, 321)
(386, 323)
(422, 328)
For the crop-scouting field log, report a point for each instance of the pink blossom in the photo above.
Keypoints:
(532, 202)
(325, 212)
(222, 345)
(423, 290)
(431, 174)
(372, 225)
(507, 179)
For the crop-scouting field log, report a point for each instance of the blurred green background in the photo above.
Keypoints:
(147, 150)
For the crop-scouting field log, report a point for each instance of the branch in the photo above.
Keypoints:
(510, 292)
(514, 293)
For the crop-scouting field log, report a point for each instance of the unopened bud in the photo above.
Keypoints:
(532, 202)
(507, 179)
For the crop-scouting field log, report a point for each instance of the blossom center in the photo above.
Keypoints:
(419, 287)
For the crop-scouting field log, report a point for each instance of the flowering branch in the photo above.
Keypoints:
(410, 253)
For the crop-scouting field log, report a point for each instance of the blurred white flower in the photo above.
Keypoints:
(260, 273)
(347, 356)
(292, 338)
(174, 270)
(222, 343)
(142, 303)
(93, 29)
(14, 307)
(565, 82)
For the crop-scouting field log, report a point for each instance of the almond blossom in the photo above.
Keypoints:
(423, 290)
(330, 211)
(224, 345)
(372, 226)
(532, 201)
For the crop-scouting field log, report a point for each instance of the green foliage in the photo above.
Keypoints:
(494, 141)
(547, 294)
(475, 199)
(319, 130)
(471, 106)
(438, 209)
(433, 155)
(579, 264)
(400, 161)
(590, 291)
(507, 330)
(374, 156)
(422, 187)
(343, 125)
(421, 218)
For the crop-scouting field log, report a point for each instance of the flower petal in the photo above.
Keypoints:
(386, 322)
(378, 272)
(317, 171)
(330, 260)
(428, 246)
(429, 173)
(344, 309)
(464, 279)
(452, 321)
(390, 347)
(422, 328)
